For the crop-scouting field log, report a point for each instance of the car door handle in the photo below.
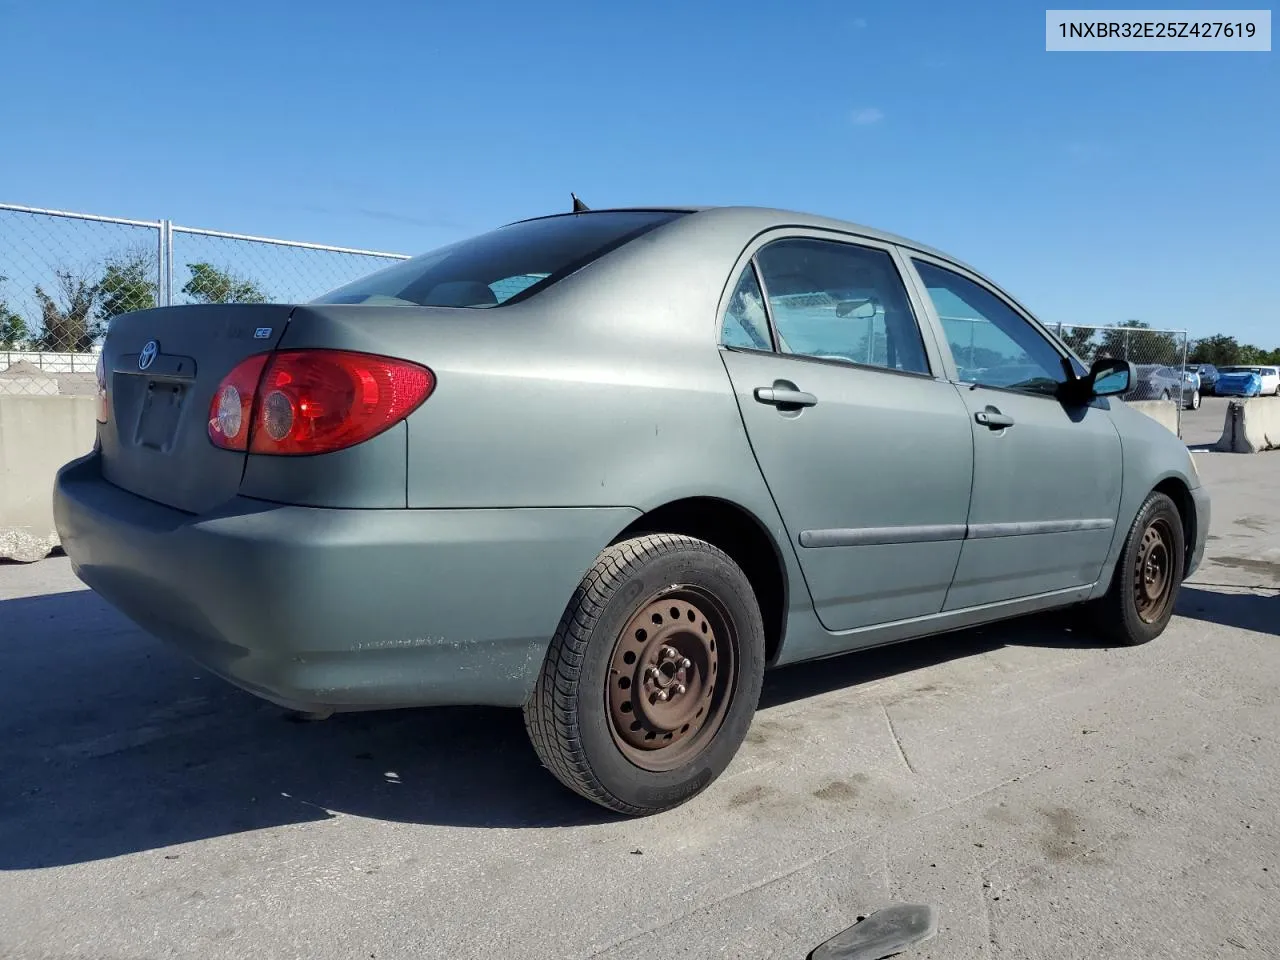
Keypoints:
(993, 419)
(785, 397)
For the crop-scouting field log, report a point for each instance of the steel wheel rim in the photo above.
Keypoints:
(1153, 571)
(671, 674)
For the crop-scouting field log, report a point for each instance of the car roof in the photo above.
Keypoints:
(753, 220)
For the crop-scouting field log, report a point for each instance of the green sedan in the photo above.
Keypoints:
(610, 466)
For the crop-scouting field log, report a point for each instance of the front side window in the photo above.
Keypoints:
(505, 265)
(992, 344)
(840, 301)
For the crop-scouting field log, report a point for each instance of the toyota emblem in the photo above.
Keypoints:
(148, 355)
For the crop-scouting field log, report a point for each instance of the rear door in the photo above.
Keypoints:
(1046, 478)
(867, 454)
(163, 367)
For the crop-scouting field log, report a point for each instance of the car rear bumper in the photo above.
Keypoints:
(338, 609)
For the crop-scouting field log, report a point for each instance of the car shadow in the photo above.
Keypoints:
(802, 680)
(114, 745)
(1259, 612)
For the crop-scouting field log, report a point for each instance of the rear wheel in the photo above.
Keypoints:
(1148, 576)
(652, 677)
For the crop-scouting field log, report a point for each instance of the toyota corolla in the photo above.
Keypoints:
(609, 467)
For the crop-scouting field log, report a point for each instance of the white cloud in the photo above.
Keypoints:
(865, 116)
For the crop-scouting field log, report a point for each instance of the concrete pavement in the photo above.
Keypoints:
(1054, 798)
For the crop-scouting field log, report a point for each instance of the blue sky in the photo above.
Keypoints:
(1096, 187)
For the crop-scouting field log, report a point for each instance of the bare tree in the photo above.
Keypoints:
(66, 322)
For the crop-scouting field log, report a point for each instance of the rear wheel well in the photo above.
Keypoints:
(1180, 494)
(739, 534)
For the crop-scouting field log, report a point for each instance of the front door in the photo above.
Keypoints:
(867, 454)
(1046, 479)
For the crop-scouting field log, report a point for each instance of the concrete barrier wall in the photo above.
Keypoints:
(1251, 426)
(37, 436)
(1163, 412)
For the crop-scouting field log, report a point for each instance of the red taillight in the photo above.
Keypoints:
(101, 371)
(231, 410)
(313, 401)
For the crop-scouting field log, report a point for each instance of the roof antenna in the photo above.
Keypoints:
(578, 205)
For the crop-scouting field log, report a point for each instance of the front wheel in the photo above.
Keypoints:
(652, 677)
(1148, 576)
(1164, 395)
(1194, 403)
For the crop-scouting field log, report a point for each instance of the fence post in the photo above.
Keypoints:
(166, 263)
(160, 295)
(1183, 373)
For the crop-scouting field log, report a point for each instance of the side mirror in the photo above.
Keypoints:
(1107, 378)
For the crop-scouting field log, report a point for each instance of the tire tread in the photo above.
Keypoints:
(1111, 613)
(551, 715)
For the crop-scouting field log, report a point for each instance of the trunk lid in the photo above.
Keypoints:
(156, 442)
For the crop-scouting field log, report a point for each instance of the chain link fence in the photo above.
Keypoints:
(64, 275)
(206, 266)
(1160, 357)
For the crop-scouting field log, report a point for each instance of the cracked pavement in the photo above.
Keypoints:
(1052, 797)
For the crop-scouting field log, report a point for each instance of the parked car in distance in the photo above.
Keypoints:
(608, 467)
(1191, 395)
(1270, 377)
(1155, 381)
(1208, 375)
(1268, 380)
(1238, 383)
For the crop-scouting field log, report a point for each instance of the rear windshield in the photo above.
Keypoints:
(505, 265)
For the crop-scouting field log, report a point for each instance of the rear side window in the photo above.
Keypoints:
(841, 301)
(745, 322)
(506, 265)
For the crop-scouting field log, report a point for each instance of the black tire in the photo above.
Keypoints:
(1120, 615)
(1195, 400)
(573, 717)
(1164, 395)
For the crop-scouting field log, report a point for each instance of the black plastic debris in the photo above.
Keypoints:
(882, 934)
